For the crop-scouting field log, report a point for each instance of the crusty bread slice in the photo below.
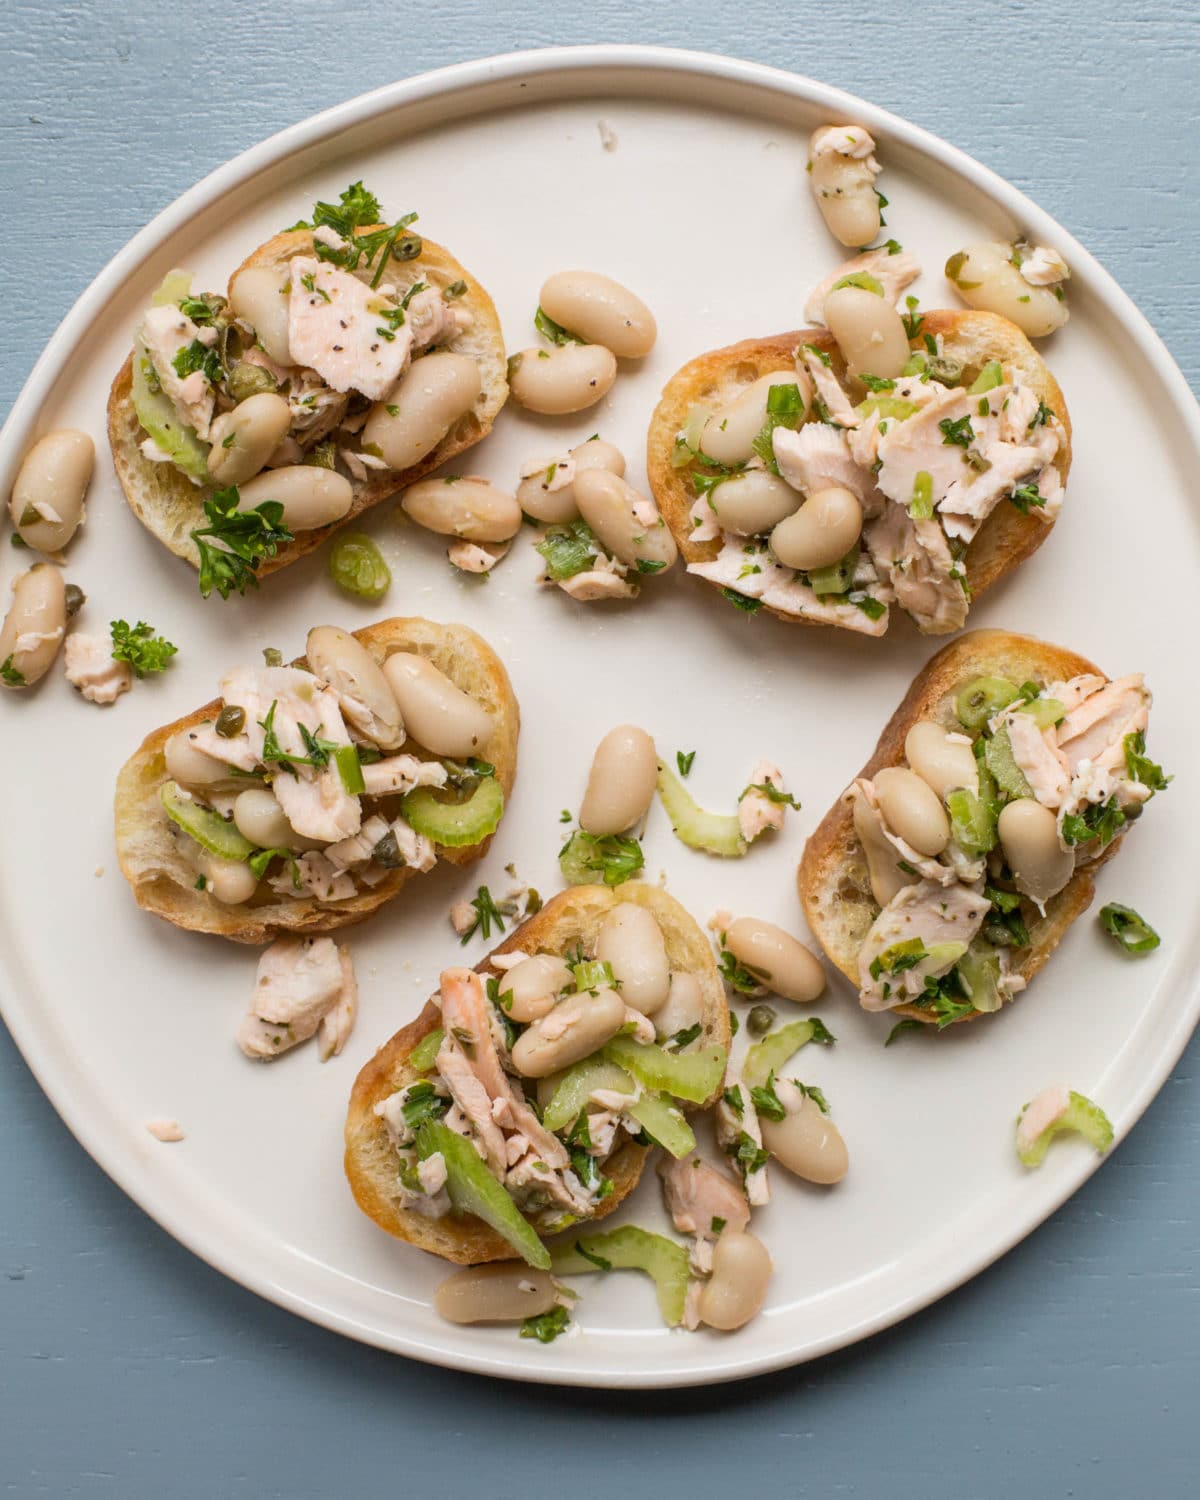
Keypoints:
(574, 916)
(835, 888)
(1005, 539)
(162, 879)
(169, 505)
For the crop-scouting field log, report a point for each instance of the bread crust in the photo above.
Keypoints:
(1004, 540)
(572, 916)
(162, 880)
(169, 505)
(834, 886)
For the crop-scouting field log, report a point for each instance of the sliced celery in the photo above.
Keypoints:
(209, 829)
(1043, 711)
(424, 1055)
(979, 970)
(571, 1094)
(174, 287)
(156, 412)
(455, 824)
(988, 378)
(473, 1190)
(632, 1249)
(1000, 761)
(687, 1075)
(837, 578)
(1080, 1115)
(890, 408)
(665, 1122)
(769, 1055)
(713, 833)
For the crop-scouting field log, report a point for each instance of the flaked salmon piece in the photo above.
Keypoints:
(935, 915)
(1036, 753)
(816, 456)
(1095, 729)
(343, 330)
(829, 388)
(915, 559)
(701, 1199)
(299, 981)
(895, 274)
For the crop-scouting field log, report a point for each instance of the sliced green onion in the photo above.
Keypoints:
(593, 974)
(982, 697)
(1130, 930)
(349, 768)
(988, 378)
(920, 507)
(424, 1055)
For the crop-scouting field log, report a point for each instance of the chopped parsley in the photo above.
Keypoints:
(1027, 497)
(909, 1023)
(748, 1154)
(684, 759)
(356, 208)
(614, 857)
(684, 1038)
(1140, 767)
(140, 647)
(766, 1101)
(197, 356)
(733, 1098)
(423, 1102)
(785, 408)
(1004, 924)
(743, 601)
(912, 319)
(11, 676)
(1100, 820)
(547, 1326)
(771, 793)
(568, 549)
(736, 975)
(553, 331)
(486, 914)
(957, 433)
(245, 537)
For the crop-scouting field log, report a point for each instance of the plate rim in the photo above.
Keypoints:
(110, 1148)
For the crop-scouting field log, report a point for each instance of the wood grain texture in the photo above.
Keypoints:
(128, 1367)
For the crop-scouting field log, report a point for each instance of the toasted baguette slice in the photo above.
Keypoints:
(574, 916)
(1004, 540)
(169, 505)
(835, 888)
(162, 879)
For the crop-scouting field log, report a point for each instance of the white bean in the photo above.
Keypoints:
(34, 626)
(912, 809)
(869, 332)
(244, 438)
(558, 381)
(573, 1030)
(258, 296)
(626, 523)
(684, 1007)
(533, 987)
(883, 863)
(436, 712)
(820, 532)
(428, 399)
(310, 496)
(737, 1289)
(781, 961)
(1029, 838)
(807, 1143)
(754, 502)
(729, 434)
(229, 881)
(844, 187)
(631, 942)
(259, 818)
(600, 310)
(943, 763)
(987, 280)
(554, 506)
(366, 696)
(471, 508)
(192, 767)
(621, 782)
(499, 1293)
(52, 482)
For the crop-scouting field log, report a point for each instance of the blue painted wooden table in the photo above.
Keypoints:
(128, 1368)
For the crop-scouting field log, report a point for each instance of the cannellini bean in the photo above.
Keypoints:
(806, 1142)
(600, 310)
(500, 1293)
(626, 523)
(436, 712)
(869, 332)
(259, 818)
(573, 1030)
(47, 499)
(844, 187)
(366, 697)
(621, 782)
(530, 989)
(631, 942)
(1029, 838)
(754, 502)
(258, 295)
(737, 1289)
(781, 961)
(229, 881)
(944, 763)
(310, 496)
(729, 434)
(684, 1007)
(558, 381)
(245, 438)
(192, 767)
(472, 508)
(34, 626)
(987, 279)
(820, 532)
(883, 863)
(912, 809)
(428, 399)
(554, 506)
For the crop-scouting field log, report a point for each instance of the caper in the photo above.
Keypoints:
(231, 721)
(246, 380)
(387, 852)
(760, 1020)
(75, 598)
(942, 367)
(272, 657)
(409, 247)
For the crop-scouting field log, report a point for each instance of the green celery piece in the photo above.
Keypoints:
(988, 378)
(455, 825)
(837, 578)
(972, 822)
(593, 974)
(1043, 711)
(632, 1249)
(156, 412)
(174, 287)
(979, 970)
(769, 1055)
(943, 956)
(713, 833)
(663, 1120)
(424, 1055)
(571, 1094)
(473, 1190)
(1000, 761)
(1081, 1115)
(208, 828)
(891, 408)
(685, 1075)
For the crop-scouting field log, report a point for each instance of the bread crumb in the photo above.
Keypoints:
(608, 136)
(165, 1130)
(98, 871)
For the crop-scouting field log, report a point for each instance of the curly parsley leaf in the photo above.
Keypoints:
(138, 645)
(245, 537)
(568, 549)
(11, 676)
(1140, 766)
(547, 1326)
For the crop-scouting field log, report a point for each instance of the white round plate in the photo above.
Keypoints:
(702, 205)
